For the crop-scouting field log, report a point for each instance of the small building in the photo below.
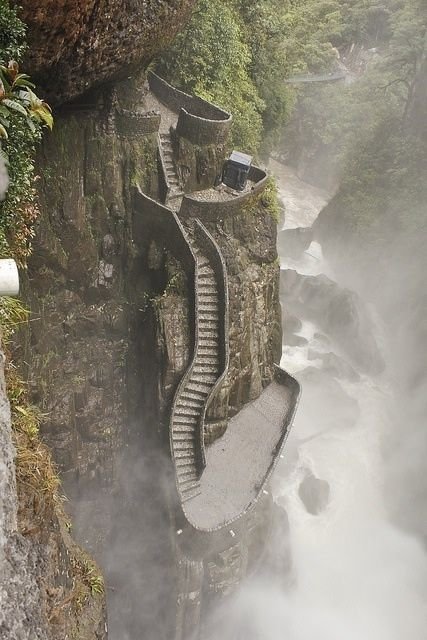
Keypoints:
(236, 170)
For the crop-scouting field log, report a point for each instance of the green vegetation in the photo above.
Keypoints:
(238, 54)
(373, 134)
(22, 116)
(270, 200)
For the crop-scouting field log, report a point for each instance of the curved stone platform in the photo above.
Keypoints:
(198, 120)
(240, 463)
(214, 205)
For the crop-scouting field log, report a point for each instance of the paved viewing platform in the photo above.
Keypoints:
(238, 463)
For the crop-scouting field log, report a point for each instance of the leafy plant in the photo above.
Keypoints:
(17, 96)
(22, 117)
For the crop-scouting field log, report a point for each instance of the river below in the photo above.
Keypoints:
(351, 574)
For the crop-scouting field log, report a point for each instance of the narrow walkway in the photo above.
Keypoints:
(324, 77)
(175, 193)
(195, 388)
(169, 118)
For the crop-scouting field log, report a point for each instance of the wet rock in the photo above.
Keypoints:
(334, 365)
(291, 340)
(291, 324)
(338, 312)
(314, 493)
(77, 44)
(292, 242)
(326, 404)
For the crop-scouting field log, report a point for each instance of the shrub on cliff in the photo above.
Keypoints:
(238, 55)
(22, 116)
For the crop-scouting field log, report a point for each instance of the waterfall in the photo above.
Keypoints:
(352, 572)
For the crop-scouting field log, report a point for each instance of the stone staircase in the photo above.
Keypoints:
(192, 396)
(175, 192)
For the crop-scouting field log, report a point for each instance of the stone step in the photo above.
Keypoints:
(207, 379)
(202, 260)
(184, 403)
(209, 352)
(205, 369)
(208, 287)
(208, 297)
(197, 388)
(192, 493)
(186, 420)
(204, 304)
(188, 455)
(206, 270)
(208, 324)
(184, 463)
(183, 437)
(190, 431)
(187, 477)
(206, 357)
(186, 411)
(208, 316)
(186, 484)
(187, 469)
(208, 343)
(202, 380)
(195, 396)
(207, 334)
(186, 446)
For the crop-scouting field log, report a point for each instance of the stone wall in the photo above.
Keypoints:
(199, 121)
(176, 99)
(134, 124)
(216, 209)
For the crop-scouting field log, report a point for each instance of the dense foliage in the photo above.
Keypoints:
(22, 115)
(374, 133)
(238, 54)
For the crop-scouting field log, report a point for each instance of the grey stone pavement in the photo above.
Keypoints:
(237, 463)
(169, 117)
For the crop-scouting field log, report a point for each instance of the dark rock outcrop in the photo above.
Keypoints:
(75, 45)
(339, 312)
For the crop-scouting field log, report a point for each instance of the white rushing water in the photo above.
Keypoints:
(354, 574)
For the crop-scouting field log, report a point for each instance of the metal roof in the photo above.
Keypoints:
(241, 158)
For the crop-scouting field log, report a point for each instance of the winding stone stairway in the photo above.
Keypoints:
(175, 192)
(193, 394)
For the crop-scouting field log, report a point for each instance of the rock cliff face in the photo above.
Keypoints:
(45, 589)
(109, 341)
(77, 44)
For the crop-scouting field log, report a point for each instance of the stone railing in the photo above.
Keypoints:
(164, 187)
(199, 121)
(211, 210)
(168, 230)
(202, 131)
(131, 124)
(217, 262)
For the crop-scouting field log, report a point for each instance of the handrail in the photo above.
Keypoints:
(164, 174)
(177, 99)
